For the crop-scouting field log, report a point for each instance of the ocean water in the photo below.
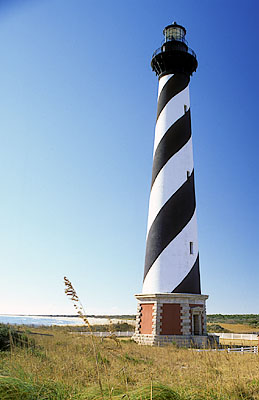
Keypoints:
(39, 320)
(48, 321)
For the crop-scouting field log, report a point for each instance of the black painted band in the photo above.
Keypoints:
(173, 86)
(172, 141)
(191, 283)
(170, 221)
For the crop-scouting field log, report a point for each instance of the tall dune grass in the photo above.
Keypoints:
(65, 364)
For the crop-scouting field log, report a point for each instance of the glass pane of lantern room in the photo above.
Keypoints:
(177, 33)
(174, 33)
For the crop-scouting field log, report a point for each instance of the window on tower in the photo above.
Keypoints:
(191, 247)
(185, 108)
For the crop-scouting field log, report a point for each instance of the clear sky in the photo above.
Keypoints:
(77, 117)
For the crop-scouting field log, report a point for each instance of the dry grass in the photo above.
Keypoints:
(68, 359)
(238, 328)
(238, 342)
(72, 366)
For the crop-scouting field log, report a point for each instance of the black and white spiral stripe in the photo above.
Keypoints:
(172, 260)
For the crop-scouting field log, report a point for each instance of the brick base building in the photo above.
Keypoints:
(171, 318)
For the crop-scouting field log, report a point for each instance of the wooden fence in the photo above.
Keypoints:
(243, 336)
(107, 334)
(242, 350)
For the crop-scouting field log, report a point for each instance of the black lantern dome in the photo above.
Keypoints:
(174, 56)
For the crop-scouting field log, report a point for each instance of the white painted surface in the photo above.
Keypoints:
(162, 82)
(244, 336)
(171, 177)
(105, 334)
(174, 263)
(173, 110)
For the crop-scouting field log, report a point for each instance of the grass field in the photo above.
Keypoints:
(238, 328)
(238, 342)
(63, 366)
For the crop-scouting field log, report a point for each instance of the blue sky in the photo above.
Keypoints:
(78, 106)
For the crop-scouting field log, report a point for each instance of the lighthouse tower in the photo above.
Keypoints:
(171, 306)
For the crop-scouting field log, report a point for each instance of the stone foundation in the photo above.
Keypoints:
(178, 340)
(165, 318)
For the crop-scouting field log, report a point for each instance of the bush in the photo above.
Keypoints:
(159, 392)
(17, 389)
(216, 328)
(250, 319)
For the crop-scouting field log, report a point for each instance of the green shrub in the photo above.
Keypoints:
(18, 389)
(158, 392)
(250, 319)
(216, 328)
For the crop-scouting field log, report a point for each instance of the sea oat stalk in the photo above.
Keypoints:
(71, 293)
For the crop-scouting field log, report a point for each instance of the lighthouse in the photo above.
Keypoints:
(171, 307)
